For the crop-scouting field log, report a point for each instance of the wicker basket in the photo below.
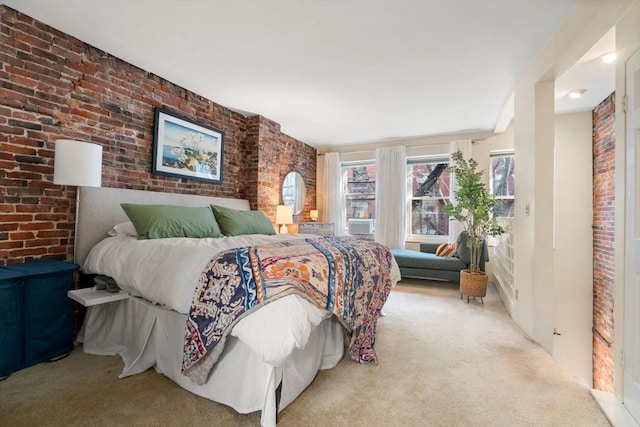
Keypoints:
(473, 284)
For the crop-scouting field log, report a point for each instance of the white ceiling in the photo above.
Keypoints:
(330, 72)
(589, 73)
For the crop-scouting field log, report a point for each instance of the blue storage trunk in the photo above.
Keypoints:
(43, 312)
(10, 323)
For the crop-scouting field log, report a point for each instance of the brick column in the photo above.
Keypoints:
(604, 139)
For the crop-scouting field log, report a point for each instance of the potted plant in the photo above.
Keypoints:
(474, 209)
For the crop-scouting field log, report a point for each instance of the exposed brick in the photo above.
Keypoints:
(54, 86)
(27, 253)
(603, 243)
(22, 235)
(51, 233)
(13, 218)
(37, 226)
(11, 244)
(23, 124)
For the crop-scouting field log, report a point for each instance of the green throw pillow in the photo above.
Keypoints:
(234, 222)
(163, 221)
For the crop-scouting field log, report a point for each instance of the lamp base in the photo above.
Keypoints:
(283, 229)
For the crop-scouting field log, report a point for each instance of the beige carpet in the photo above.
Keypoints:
(442, 363)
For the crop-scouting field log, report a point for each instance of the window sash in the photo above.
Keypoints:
(361, 203)
(506, 202)
(426, 218)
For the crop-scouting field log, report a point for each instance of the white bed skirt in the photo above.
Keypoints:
(147, 335)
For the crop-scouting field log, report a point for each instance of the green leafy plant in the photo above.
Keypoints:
(473, 208)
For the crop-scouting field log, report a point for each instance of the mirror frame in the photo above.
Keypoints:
(294, 193)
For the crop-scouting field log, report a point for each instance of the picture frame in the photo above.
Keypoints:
(183, 148)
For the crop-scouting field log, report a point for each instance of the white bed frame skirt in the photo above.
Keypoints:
(146, 335)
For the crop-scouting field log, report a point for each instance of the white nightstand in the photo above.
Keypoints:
(93, 296)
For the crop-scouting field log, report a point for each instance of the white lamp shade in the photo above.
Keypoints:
(313, 214)
(284, 214)
(77, 163)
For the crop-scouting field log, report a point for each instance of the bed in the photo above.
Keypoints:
(277, 349)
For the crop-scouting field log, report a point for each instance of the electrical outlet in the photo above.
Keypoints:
(527, 209)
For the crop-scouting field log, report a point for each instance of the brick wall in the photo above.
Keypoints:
(279, 155)
(604, 139)
(54, 86)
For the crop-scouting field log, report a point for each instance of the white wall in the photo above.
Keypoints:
(542, 208)
(587, 23)
(573, 245)
(523, 229)
(570, 312)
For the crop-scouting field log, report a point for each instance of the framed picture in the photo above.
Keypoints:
(186, 149)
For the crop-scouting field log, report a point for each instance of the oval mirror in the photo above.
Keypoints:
(294, 191)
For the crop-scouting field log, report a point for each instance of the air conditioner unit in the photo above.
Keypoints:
(360, 226)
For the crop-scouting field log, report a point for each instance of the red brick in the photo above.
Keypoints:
(8, 226)
(24, 253)
(21, 236)
(57, 250)
(603, 243)
(40, 242)
(52, 233)
(12, 218)
(11, 244)
(37, 226)
(95, 97)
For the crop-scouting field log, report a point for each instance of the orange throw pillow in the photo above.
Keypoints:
(441, 249)
(446, 249)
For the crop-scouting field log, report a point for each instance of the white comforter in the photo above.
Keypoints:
(166, 272)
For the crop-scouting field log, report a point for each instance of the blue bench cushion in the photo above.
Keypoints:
(423, 260)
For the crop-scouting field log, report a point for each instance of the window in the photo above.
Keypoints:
(359, 190)
(502, 184)
(429, 187)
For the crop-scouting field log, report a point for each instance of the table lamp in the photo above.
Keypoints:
(284, 216)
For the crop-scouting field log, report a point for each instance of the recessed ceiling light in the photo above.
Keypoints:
(577, 93)
(608, 58)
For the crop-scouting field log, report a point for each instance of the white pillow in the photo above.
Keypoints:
(123, 229)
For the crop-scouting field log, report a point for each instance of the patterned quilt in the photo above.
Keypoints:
(348, 277)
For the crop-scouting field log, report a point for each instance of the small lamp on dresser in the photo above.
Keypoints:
(284, 216)
(313, 214)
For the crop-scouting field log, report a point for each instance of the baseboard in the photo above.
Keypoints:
(614, 410)
(507, 301)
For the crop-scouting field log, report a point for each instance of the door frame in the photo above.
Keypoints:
(630, 346)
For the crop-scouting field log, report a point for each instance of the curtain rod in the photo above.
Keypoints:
(348, 152)
(473, 141)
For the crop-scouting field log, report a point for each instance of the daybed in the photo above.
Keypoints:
(425, 264)
(262, 359)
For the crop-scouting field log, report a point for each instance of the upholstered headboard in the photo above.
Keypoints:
(99, 210)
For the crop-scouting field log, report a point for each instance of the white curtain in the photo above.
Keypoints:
(463, 146)
(333, 191)
(391, 196)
